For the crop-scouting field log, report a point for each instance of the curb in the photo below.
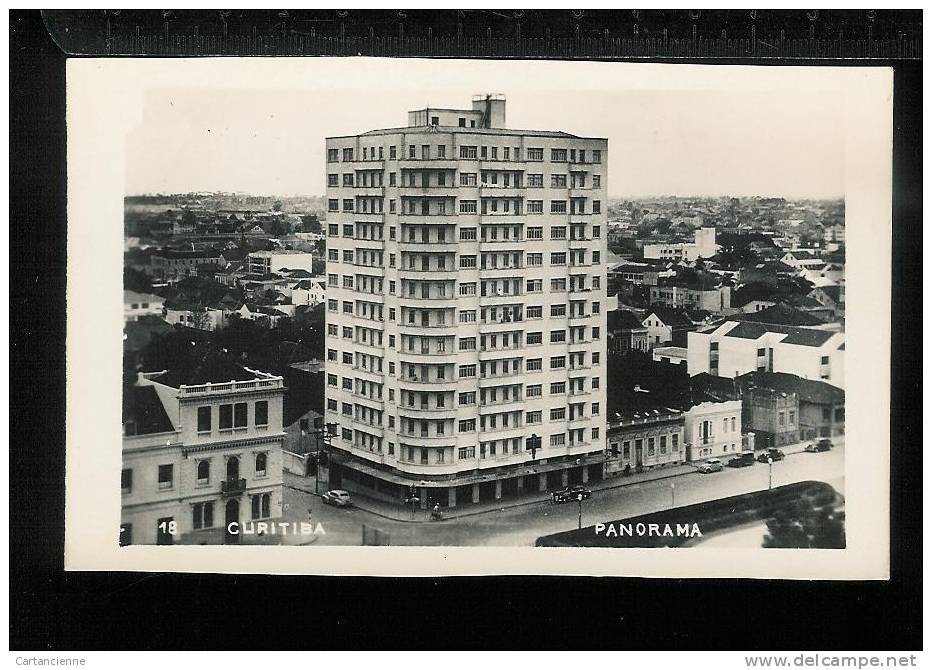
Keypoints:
(525, 503)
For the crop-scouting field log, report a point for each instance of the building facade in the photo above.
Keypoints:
(772, 415)
(644, 440)
(703, 246)
(713, 300)
(199, 457)
(713, 430)
(466, 308)
(137, 304)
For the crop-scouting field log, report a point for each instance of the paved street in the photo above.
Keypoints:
(522, 525)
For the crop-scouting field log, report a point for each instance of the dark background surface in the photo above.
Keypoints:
(54, 610)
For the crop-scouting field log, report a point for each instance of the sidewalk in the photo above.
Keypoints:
(397, 512)
(401, 513)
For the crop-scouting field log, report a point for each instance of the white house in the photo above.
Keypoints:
(712, 430)
(208, 319)
(662, 323)
(801, 258)
(141, 304)
(309, 292)
(736, 348)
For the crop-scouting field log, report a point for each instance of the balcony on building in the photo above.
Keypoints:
(233, 487)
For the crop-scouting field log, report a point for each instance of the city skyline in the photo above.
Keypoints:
(785, 141)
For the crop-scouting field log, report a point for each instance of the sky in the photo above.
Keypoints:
(682, 135)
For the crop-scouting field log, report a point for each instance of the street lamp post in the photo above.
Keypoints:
(672, 494)
(579, 499)
(326, 436)
(769, 473)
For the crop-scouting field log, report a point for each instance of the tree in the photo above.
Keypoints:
(188, 218)
(802, 525)
(277, 206)
(310, 223)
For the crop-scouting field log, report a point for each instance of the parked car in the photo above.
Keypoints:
(711, 465)
(338, 498)
(569, 494)
(771, 454)
(742, 460)
(821, 445)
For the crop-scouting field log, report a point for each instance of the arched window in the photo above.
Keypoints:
(260, 465)
(203, 472)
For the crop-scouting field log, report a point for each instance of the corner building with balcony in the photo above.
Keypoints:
(466, 307)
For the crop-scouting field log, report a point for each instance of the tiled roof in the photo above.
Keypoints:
(623, 319)
(143, 412)
(781, 315)
(808, 337)
(833, 292)
(670, 316)
(808, 390)
(138, 333)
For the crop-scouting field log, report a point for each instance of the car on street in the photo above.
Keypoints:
(711, 465)
(569, 494)
(338, 498)
(821, 445)
(771, 454)
(742, 460)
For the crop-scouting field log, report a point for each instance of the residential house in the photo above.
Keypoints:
(772, 415)
(831, 298)
(194, 315)
(666, 325)
(303, 409)
(801, 258)
(137, 304)
(713, 430)
(309, 292)
(626, 332)
(651, 436)
(821, 405)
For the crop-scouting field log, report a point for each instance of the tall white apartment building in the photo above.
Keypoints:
(466, 307)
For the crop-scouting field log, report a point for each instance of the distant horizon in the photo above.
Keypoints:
(610, 197)
(703, 133)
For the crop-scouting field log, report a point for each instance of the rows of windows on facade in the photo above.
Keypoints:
(436, 332)
(201, 449)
